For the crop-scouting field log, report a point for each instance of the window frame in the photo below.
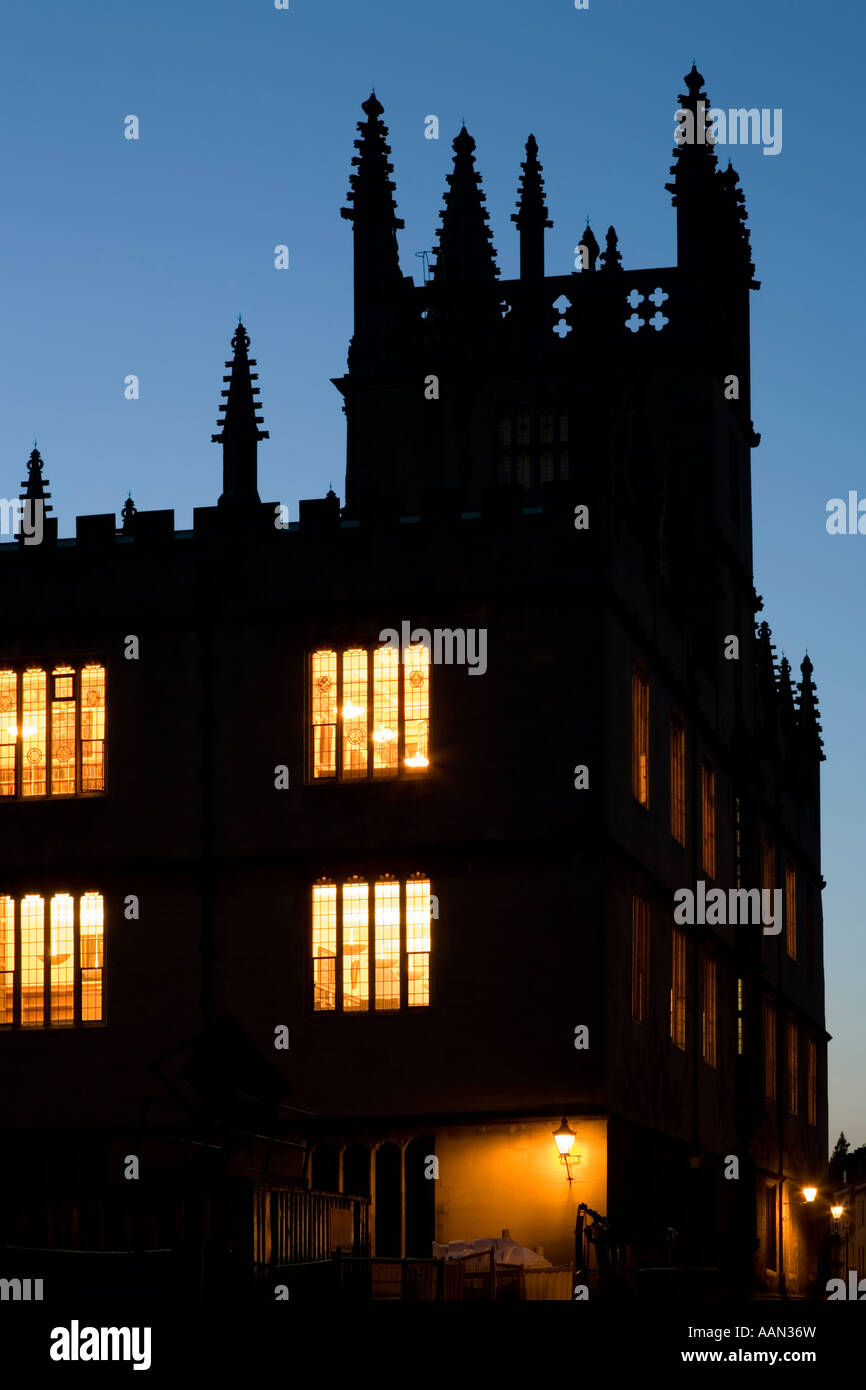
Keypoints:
(53, 669)
(677, 776)
(372, 1007)
(641, 734)
(371, 773)
(17, 1023)
(709, 1010)
(640, 958)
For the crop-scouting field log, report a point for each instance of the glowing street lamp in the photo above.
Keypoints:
(810, 1193)
(564, 1138)
(836, 1211)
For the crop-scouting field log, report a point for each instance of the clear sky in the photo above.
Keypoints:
(120, 256)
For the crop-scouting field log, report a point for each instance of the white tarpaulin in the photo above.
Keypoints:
(507, 1251)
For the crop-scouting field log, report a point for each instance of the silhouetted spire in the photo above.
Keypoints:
(808, 712)
(588, 240)
(34, 483)
(373, 213)
(694, 153)
(464, 254)
(378, 280)
(610, 258)
(127, 514)
(531, 216)
(712, 238)
(239, 433)
(766, 664)
(786, 690)
(733, 232)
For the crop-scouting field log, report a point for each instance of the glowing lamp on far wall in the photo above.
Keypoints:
(564, 1138)
(417, 760)
(836, 1211)
(351, 711)
(810, 1193)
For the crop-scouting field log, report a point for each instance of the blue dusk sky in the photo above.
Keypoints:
(121, 257)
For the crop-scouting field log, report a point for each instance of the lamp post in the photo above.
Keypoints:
(840, 1229)
(564, 1138)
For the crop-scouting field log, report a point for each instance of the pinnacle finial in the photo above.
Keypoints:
(239, 431)
(464, 254)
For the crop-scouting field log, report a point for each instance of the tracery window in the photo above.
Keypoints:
(52, 730)
(370, 712)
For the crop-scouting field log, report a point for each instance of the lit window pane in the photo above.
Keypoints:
(93, 729)
(32, 961)
(354, 712)
(640, 735)
(386, 710)
(92, 927)
(708, 819)
(387, 930)
(62, 959)
(418, 940)
(324, 946)
(416, 702)
(791, 910)
(33, 761)
(63, 732)
(324, 706)
(7, 958)
(8, 731)
(356, 963)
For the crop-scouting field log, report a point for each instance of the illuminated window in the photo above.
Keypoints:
(51, 954)
(769, 1050)
(356, 947)
(388, 922)
(812, 1081)
(7, 958)
(678, 989)
(640, 916)
(387, 939)
(325, 946)
(708, 818)
(770, 1227)
(678, 779)
(640, 734)
(791, 910)
(418, 942)
(709, 1007)
(793, 1071)
(370, 712)
(52, 731)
